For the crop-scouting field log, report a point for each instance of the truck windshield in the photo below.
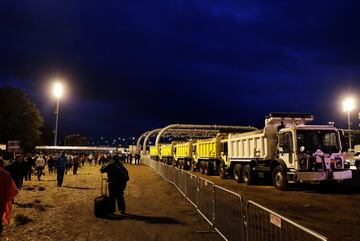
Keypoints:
(325, 140)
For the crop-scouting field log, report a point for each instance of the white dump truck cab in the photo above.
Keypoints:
(309, 153)
(312, 153)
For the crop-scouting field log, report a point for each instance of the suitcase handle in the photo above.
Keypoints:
(104, 180)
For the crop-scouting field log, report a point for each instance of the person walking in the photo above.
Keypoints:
(60, 165)
(8, 191)
(50, 164)
(39, 164)
(29, 166)
(117, 178)
(76, 164)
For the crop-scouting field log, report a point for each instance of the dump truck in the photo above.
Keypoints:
(167, 153)
(183, 154)
(154, 153)
(287, 150)
(208, 154)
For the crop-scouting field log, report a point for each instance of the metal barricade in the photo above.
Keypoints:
(192, 188)
(182, 181)
(176, 172)
(229, 218)
(264, 224)
(206, 199)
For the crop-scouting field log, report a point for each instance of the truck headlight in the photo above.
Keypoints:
(339, 163)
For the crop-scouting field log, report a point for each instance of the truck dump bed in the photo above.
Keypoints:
(259, 144)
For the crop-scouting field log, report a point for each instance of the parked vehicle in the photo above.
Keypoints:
(167, 153)
(183, 154)
(209, 153)
(154, 153)
(286, 151)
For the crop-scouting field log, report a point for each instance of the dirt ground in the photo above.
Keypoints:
(332, 210)
(155, 210)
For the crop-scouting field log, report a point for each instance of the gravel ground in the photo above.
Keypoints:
(155, 210)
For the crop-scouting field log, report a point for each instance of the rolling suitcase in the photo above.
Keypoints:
(102, 202)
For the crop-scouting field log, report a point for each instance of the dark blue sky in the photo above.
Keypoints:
(134, 65)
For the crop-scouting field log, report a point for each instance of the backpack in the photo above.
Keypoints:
(122, 173)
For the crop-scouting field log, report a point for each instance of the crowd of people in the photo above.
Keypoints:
(23, 167)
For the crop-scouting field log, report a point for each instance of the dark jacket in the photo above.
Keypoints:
(61, 162)
(116, 172)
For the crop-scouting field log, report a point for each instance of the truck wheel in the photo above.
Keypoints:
(357, 164)
(279, 178)
(193, 167)
(221, 170)
(187, 164)
(247, 175)
(208, 168)
(202, 167)
(238, 173)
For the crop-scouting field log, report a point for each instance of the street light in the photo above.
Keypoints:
(57, 91)
(348, 106)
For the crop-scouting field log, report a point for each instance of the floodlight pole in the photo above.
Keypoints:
(349, 124)
(57, 120)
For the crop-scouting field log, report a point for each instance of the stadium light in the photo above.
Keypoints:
(57, 91)
(348, 106)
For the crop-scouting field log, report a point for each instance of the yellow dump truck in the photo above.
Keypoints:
(154, 153)
(167, 153)
(209, 153)
(183, 154)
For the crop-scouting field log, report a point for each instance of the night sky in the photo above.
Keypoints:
(131, 66)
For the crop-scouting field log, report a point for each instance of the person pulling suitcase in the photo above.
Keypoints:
(117, 178)
(102, 202)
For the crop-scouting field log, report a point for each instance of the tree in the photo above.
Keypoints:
(19, 118)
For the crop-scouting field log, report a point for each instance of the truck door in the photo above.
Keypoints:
(286, 148)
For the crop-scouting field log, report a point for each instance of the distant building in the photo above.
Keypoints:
(75, 140)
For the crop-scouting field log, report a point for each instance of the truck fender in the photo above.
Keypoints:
(277, 162)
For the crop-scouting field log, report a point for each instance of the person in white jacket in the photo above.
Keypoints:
(40, 165)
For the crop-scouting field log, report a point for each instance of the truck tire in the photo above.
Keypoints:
(357, 165)
(237, 171)
(193, 167)
(247, 175)
(221, 170)
(180, 164)
(279, 178)
(209, 166)
(202, 167)
(187, 164)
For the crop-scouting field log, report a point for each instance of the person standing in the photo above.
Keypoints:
(60, 165)
(117, 179)
(39, 164)
(137, 158)
(14, 168)
(8, 191)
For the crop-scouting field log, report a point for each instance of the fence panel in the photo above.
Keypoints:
(182, 181)
(264, 224)
(176, 173)
(229, 218)
(192, 188)
(206, 199)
